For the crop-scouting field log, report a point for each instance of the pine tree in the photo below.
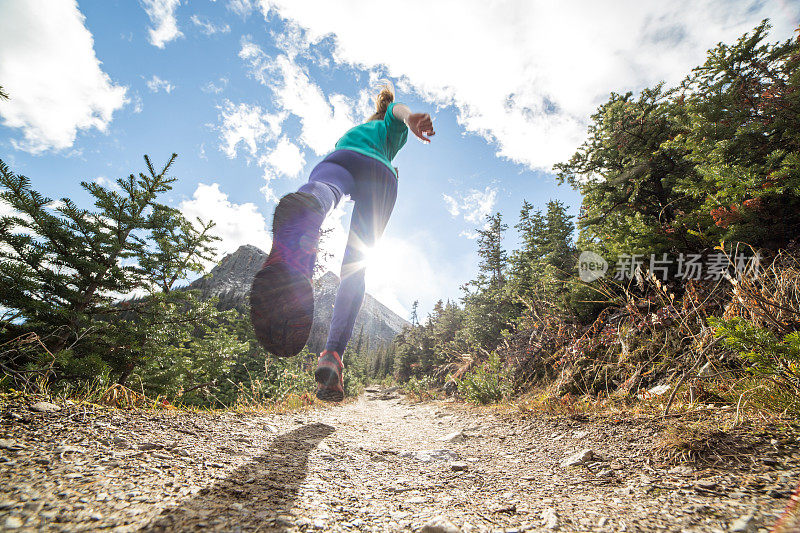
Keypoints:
(559, 254)
(488, 309)
(739, 115)
(526, 270)
(490, 249)
(63, 269)
(714, 159)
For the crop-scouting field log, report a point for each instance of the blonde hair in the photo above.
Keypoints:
(382, 101)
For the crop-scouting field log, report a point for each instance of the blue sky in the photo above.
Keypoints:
(252, 94)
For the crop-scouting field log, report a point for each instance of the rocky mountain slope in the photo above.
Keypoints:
(230, 282)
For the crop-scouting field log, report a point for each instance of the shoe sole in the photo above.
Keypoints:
(327, 377)
(281, 309)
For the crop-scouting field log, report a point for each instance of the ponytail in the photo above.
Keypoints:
(382, 101)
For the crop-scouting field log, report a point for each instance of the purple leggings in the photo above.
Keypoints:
(373, 188)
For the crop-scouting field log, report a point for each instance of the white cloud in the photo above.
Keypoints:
(285, 159)
(257, 130)
(247, 124)
(236, 224)
(474, 205)
(162, 16)
(241, 7)
(49, 68)
(107, 183)
(526, 75)
(322, 119)
(156, 84)
(138, 106)
(213, 88)
(452, 205)
(208, 27)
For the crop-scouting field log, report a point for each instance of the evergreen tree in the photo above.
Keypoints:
(63, 269)
(414, 318)
(488, 310)
(559, 254)
(628, 177)
(525, 263)
(740, 130)
(715, 159)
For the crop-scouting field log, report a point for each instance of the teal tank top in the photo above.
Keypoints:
(380, 139)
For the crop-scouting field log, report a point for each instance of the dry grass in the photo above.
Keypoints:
(695, 432)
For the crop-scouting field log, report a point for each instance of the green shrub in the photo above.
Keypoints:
(771, 356)
(420, 387)
(487, 383)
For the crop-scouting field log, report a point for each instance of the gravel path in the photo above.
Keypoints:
(379, 463)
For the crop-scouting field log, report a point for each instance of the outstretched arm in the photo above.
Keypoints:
(420, 124)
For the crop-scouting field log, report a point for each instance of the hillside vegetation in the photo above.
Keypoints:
(692, 196)
(683, 272)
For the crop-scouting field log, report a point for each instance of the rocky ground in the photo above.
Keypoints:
(379, 463)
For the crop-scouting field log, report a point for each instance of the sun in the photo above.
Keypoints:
(380, 263)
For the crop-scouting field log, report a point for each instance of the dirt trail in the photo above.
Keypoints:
(379, 463)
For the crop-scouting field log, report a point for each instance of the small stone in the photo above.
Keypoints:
(583, 456)
(9, 444)
(681, 471)
(62, 450)
(13, 522)
(658, 390)
(439, 525)
(7, 504)
(145, 446)
(427, 456)
(745, 524)
(45, 407)
(121, 443)
(458, 436)
(549, 518)
(603, 521)
(507, 509)
(74, 475)
(417, 500)
(705, 484)
(459, 466)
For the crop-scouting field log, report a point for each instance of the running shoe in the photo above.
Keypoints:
(282, 297)
(329, 376)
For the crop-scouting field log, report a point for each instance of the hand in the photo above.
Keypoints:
(421, 125)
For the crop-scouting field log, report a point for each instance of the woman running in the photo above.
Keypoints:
(282, 297)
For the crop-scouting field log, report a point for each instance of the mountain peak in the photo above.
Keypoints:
(230, 281)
